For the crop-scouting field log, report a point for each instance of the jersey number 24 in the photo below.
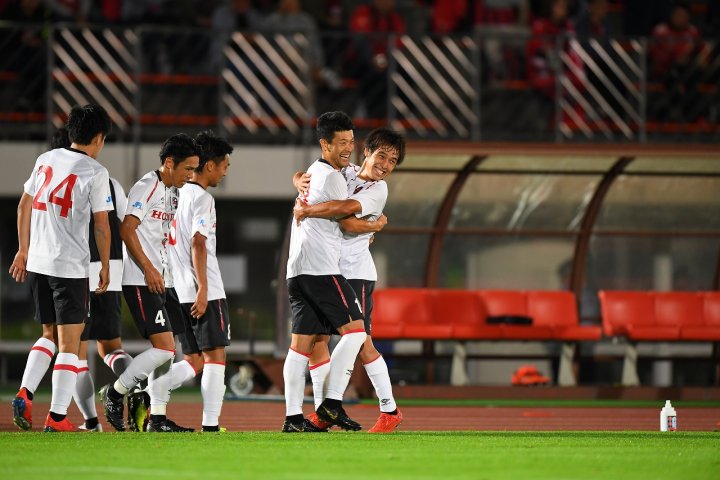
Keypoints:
(64, 201)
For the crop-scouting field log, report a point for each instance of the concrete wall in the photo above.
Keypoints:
(256, 171)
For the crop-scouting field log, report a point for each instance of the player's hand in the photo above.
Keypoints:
(18, 268)
(299, 210)
(154, 281)
(302, 184)
(198, 308)
(381, 221)
(104, 282)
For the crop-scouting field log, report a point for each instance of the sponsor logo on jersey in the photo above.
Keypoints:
(160, 215)
(137, 205)
(108, 199)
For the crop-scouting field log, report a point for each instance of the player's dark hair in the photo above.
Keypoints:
(212, 148)
(384, 137)
(60, 139)
(330, 122)
(180, 146)
(85, 122)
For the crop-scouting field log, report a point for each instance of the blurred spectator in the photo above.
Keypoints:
(550, 37)
(593, 21)
(678, 59)
(371, 26)
(550, 53)
(461, 16)
(501, 53)
(26, 51)
(329, 15)
(70, 10)
(231, 16)
(288, 18)
(143, 11)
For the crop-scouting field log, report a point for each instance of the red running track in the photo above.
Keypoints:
(248, 415)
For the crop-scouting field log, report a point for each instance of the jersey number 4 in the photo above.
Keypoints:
(64, 201)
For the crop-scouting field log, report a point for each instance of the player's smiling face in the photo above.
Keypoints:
(338, 152)
(182, 172)
(379, 164)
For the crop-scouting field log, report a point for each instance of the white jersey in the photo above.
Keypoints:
(315, 243)
(356, 262)
(154, 205)
(195, 214)
(67, 186)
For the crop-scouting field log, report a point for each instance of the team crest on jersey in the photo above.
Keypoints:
(137, 205)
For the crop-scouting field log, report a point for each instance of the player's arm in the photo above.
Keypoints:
(331, 209)
(301, 181)
(101, 229)
(199, 259)
(355, 225)
(18, 268)
(128, 233)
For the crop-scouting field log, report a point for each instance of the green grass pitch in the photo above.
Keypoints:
(340, 455)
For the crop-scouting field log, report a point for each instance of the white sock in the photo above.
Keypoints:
(159, 387)
(38, 362)
(378, 372)
(212, 388)
(294, 377)
(342, 361)
(84, 394)
(63, 382)
(118, 361)
(141, 366)
(182, 371)
(318, 375)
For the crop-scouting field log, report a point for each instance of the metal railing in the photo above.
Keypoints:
(265, 87)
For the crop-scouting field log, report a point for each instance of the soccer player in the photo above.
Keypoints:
(104, 320)
(367, 190)
(152, 202)
(198, 283)
(320, 298)
(65, 187)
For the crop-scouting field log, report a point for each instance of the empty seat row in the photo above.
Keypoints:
(445, 314)
(661, 316)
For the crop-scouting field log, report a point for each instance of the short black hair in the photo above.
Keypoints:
(384, 137)
(180, 146)
(60, 139)
(85, 122)
(330, 122)
(212, 148)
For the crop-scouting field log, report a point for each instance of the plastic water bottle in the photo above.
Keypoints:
(668, 418)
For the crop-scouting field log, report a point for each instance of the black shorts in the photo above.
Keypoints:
(321, 304)
(147, 309)
(364, 290)
(62, 301)
(212, 330)
(175, 311)
(104, 319)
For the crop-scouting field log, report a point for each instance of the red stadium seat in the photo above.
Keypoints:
(622, 311)
(558, 310)
(464, 311)
(395, 307)
(706, 326)
(513, 303)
